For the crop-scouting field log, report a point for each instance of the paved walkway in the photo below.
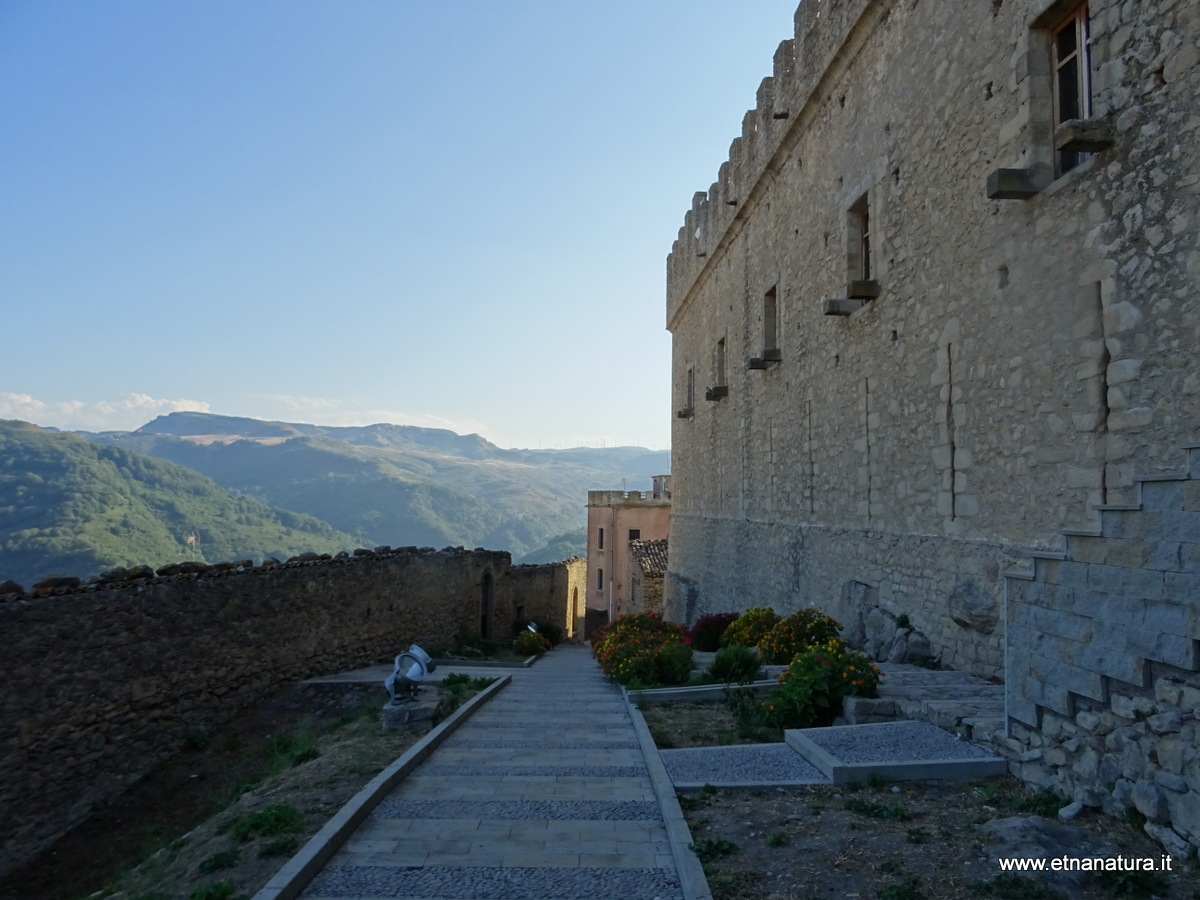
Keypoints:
(543, 793)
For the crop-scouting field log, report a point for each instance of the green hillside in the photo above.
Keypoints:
(72, 507)
(402, 485)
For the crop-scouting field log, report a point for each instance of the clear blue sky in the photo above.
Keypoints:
(443, 213)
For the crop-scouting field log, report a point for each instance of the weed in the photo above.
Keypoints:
(894, 810)
(737, 884)
(1044, 803)
(890, 867)
(1014, 887)
(290, 750)
(226, 859)
(1135, 817)
(150, 895)
(708, 849)
(1140, 883)
(874, 781)
(217, 890)
(903, 621)
(284, 845)
(908, 889)
(268, 822)
(916, 835)
(776, 839)
(988, 791)
(710, 789)
(366, 712)
(691, 803)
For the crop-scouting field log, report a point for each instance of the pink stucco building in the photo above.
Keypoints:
(614, 519)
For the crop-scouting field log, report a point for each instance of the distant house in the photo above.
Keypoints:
(615, 519)
(646, 575)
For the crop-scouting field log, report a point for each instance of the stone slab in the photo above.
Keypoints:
(939, 759)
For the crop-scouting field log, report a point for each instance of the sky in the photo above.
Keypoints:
(450, 213)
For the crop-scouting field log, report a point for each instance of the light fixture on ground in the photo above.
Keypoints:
(412, 666)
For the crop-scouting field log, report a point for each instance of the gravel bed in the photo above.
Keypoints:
(740, 764)
(500, 770)
(496, 882)
(511, 810)
(892, 742)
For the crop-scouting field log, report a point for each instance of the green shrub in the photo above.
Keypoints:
(796, 633)
(750, 627)
(749, 716)
(643, 651)
(674, 663)
(706, 633)
(529, 643)
(810, 692)
(734, 665)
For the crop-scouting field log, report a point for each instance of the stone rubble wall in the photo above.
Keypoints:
(1024, 358)
(554, 593)
(103, 680)
(1103, 675)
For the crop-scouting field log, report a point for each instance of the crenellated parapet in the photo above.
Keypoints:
(626, 498)
(785, 102)
(136, 577)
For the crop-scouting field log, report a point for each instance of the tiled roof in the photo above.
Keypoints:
(650, 555)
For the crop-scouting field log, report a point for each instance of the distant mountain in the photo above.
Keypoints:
(559, 548)
(398, 484)
(72, 507)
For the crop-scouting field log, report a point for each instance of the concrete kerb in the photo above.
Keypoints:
(303, 867)
(487, 663)
(691, 874)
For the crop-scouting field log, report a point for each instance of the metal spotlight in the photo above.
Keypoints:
(412, 666)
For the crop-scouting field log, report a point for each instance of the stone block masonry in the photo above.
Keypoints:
(103, 680)
(1103, 685)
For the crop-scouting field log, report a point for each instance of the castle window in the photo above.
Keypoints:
(770, 319)
(1071, 52)
(635, 534)
(720, 389)
(599, 579)
(600, 540)
(689, 399)
(859, 234)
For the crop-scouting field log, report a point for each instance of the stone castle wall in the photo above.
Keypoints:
(103, 680)
(1023, 360)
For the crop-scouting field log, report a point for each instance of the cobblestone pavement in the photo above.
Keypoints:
(543, 793)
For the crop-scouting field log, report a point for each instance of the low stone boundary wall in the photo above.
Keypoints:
(105, 679)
